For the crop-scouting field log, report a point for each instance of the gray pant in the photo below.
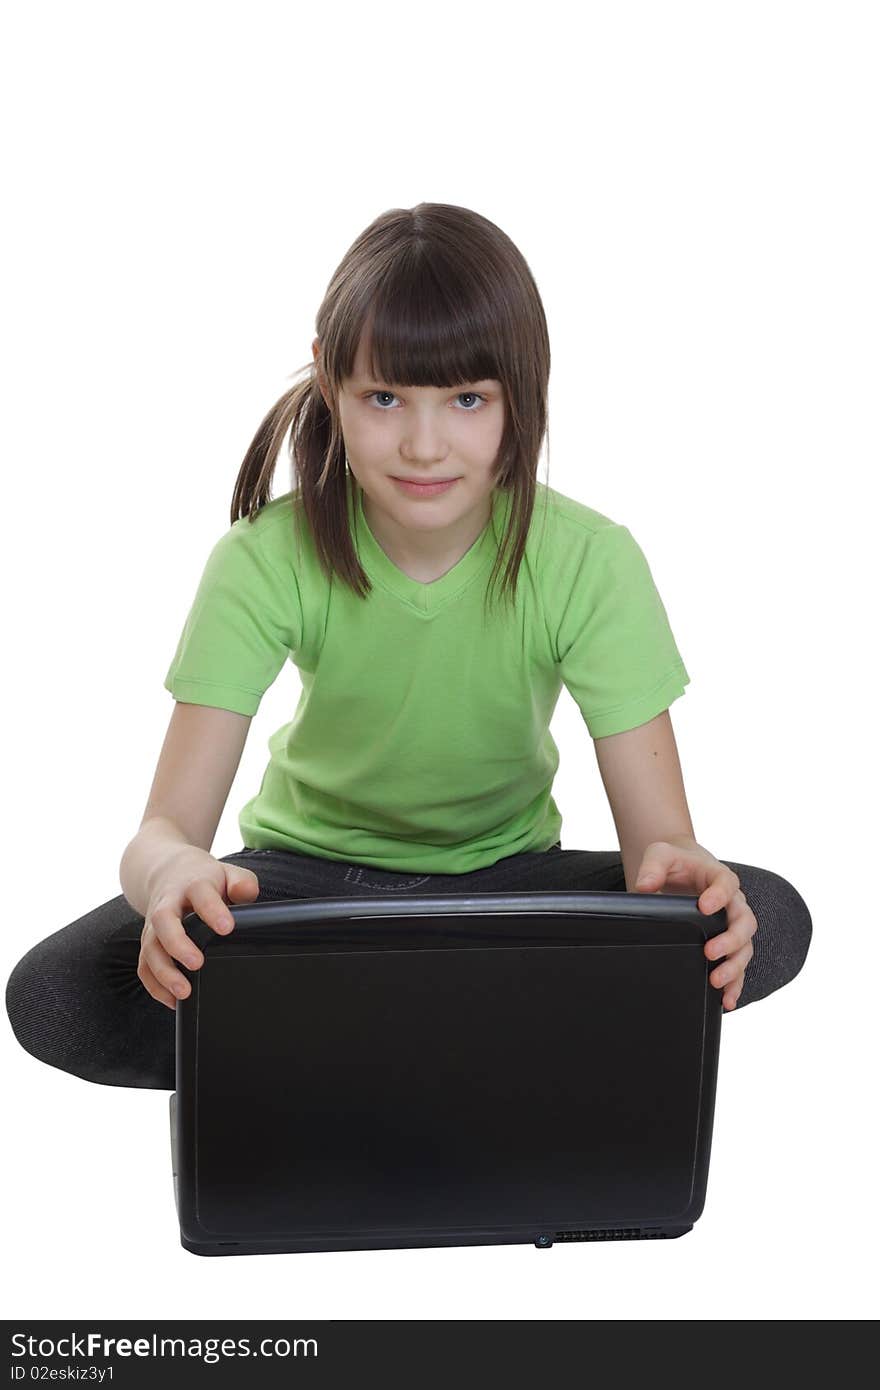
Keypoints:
(75, 1001)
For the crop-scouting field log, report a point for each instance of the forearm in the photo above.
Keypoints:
(151, 847)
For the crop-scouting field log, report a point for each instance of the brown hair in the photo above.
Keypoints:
(444, 297)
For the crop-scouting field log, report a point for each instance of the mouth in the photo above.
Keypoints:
(426, 488)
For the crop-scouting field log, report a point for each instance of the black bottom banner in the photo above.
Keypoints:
(347, 1353)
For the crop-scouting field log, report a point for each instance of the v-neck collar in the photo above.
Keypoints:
(426, 598)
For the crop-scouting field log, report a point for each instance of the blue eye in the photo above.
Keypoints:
(468, 411)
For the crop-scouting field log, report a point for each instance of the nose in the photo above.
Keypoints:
(423, 443)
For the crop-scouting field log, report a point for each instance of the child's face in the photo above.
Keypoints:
(426, 433)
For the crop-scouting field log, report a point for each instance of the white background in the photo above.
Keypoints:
(695, 189)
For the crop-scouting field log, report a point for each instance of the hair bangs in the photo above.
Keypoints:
(425, 324)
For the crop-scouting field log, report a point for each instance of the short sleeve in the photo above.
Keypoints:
(617, 654)
(244, 622)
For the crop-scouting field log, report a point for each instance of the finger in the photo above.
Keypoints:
(153, 986)
(742, 925)
(649, 877)
(734, 965)
(164, 970)
(689, 870)
(245, 882)
(210, 906)
(173, 940)
(654, 867)
(720, 891)
(660, 861)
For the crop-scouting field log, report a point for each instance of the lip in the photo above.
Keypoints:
(431, 488)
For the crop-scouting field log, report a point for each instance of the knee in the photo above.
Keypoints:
(23, 1000)
(801, 930)
(792, 922)
(20, 986)
(785, 929)
(46, 1005)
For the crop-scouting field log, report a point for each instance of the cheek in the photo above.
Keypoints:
(490, 443)
(481, 438)
(492, 430)
(365, 438)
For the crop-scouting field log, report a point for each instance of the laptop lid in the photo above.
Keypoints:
(484, 1068)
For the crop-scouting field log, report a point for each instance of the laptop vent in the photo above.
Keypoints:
(621, 1233)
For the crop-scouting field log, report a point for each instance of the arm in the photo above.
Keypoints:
(641, 774)
(194, 774)
(642, 777)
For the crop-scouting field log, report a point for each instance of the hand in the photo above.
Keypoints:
(696, 870)
(191, 881)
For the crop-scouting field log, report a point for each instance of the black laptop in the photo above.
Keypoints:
(367, 1073)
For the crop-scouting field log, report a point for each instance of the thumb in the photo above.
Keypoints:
(647, 878)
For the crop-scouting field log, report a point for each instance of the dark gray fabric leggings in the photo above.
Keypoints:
(75, 1000)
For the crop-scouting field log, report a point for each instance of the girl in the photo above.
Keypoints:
(419, 757)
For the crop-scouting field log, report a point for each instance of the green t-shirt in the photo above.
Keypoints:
(421, 739)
